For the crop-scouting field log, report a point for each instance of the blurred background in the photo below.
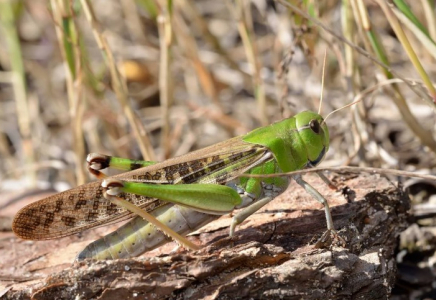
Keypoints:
(154, 79)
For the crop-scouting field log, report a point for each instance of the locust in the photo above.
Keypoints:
(179, 195)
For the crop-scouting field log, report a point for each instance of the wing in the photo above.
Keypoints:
(85, 207)
(70, 212)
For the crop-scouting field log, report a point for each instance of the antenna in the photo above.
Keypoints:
(322, 81)
(361, 95)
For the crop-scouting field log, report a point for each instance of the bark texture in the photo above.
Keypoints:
(271, 257)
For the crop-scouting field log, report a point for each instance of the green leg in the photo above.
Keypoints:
(208, 198)
(246, 212)
(331, 234)
(98, 162)
(318, 197)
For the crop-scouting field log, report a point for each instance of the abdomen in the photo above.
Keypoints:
(139, 236)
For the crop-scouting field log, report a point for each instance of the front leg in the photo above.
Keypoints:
(315, 194)
(331, 232)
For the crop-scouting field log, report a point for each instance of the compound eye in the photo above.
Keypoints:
(314, 125)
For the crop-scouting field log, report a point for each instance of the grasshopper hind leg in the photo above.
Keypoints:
(97, 162)
(113, 188)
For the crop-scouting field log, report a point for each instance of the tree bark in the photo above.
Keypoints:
(272, 255)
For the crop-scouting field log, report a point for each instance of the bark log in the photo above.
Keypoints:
(272, 256)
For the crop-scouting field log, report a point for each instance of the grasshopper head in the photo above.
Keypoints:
(314, 133)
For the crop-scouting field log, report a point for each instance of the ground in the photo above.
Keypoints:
(272, 255)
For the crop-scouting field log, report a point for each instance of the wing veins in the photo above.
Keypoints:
(242, 156)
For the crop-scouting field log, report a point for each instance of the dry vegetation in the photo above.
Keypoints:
(142, 79)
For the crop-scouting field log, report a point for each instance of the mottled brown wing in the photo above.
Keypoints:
(85, 207)
(73, 211)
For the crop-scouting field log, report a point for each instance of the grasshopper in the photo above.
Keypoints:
(181, 194)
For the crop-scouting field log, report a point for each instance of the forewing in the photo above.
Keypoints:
(85, 207)
(73, 211)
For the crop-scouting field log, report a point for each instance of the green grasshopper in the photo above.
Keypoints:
(181, 194)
